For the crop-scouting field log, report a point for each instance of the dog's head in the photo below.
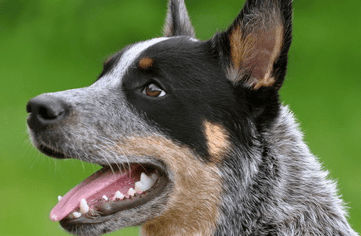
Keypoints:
(162, 117)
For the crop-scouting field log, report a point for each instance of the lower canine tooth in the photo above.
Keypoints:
(76, 214)
(84, 208)
(147, 182)
(59, 198)
(105, 198)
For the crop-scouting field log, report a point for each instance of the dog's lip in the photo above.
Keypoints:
(51, 152)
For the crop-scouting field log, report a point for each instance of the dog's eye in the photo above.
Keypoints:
(153, 90)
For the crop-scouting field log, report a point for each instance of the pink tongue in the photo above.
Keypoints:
(94, 187)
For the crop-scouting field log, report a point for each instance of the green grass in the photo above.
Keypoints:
(56, 45)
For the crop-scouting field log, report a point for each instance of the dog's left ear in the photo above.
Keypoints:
(177, 21)
(254, 49)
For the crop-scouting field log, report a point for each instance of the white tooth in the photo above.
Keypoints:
(105, 198)
(138, 186)
(131, 192)
(147, 182)
(118, 195)
(59, 198)
(84, 208)
(76, 214)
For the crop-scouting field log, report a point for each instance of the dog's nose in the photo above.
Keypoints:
(45, 110)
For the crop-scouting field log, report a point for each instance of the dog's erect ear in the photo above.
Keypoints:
(177, 21)
(254, 49)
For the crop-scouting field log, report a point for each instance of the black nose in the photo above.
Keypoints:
(45, 110)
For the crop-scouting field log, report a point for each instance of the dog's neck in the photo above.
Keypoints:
(277, 187)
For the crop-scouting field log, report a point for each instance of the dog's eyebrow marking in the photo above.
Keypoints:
(146, 63)
(115, 76)
(217, 140)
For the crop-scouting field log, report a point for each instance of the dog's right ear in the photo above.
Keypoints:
(254, 49)
(177, 21)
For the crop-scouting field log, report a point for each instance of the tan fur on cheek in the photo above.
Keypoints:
(217, 140)
(192, 208)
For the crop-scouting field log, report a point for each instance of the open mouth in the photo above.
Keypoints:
(110, 190)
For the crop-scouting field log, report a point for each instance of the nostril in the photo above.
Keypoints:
(47, 113)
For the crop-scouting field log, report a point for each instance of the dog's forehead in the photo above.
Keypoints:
(114, 77)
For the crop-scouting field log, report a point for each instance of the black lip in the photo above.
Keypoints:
(51, 152)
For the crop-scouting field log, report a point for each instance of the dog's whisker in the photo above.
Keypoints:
(114, 153)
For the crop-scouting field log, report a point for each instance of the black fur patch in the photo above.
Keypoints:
(197, 91)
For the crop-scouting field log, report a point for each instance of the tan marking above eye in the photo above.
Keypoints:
(146, 63)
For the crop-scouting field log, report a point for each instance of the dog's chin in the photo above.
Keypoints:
(113, 212)
(36, 140)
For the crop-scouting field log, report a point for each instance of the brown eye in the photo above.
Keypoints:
(152, 90)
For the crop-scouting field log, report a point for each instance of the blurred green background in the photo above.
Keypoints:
(55, 45)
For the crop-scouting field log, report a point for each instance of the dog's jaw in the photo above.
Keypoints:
(111, 214)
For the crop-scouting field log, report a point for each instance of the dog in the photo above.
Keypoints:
(192, 137)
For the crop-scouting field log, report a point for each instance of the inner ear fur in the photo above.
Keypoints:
(257, 44)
